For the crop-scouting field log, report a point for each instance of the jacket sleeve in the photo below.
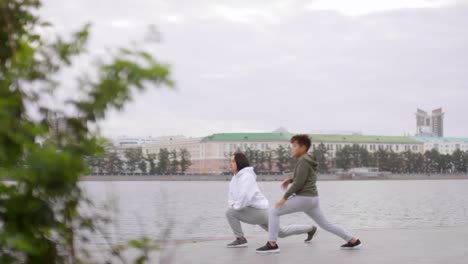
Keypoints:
(300, 176)
(246, 192)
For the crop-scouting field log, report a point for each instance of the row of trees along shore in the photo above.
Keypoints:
(132, 161)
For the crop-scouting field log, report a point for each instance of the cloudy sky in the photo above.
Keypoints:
(310, 66)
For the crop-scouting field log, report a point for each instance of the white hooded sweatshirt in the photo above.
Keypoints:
(244, 191)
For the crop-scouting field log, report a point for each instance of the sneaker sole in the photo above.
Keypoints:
(351, 248)
(238, 246)
(269, 251)
(315, 234)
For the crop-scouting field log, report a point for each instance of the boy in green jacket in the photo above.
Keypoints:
(305, 199)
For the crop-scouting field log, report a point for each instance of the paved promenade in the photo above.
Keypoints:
(447, 245)
(405, 246)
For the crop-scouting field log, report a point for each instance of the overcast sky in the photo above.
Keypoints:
(310, 66)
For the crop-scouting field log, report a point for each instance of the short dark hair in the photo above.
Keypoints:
(302, 139)
(241, 160)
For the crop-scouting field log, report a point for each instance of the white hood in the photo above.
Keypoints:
(244, 191)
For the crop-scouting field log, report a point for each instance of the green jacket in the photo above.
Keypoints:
(303, 181)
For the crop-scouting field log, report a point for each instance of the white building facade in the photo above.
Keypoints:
(446, 145)
(211, 154)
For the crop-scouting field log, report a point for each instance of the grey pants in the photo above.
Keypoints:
(309, 205)
(255, 216)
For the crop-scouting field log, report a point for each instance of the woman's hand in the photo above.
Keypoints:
(280, 203)
(285, 184)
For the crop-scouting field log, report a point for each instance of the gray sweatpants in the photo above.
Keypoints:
(255, 216)
(309, 205)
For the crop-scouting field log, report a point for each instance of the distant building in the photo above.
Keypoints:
(194, 146)
(221, 146)
(397, 144)
(132, 142)
(445, 145)
(430, 125)
(211, 154)
(121, 144)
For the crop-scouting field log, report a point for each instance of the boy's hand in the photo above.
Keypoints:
(285, 184)
(280, 203)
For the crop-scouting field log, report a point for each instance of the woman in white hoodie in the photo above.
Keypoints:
(247, 204)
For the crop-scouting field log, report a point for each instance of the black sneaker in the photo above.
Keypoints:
(268, 248)
(239, 242)
(350, 245)
(311, 234)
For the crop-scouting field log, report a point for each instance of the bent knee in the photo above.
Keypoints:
(230, 212)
